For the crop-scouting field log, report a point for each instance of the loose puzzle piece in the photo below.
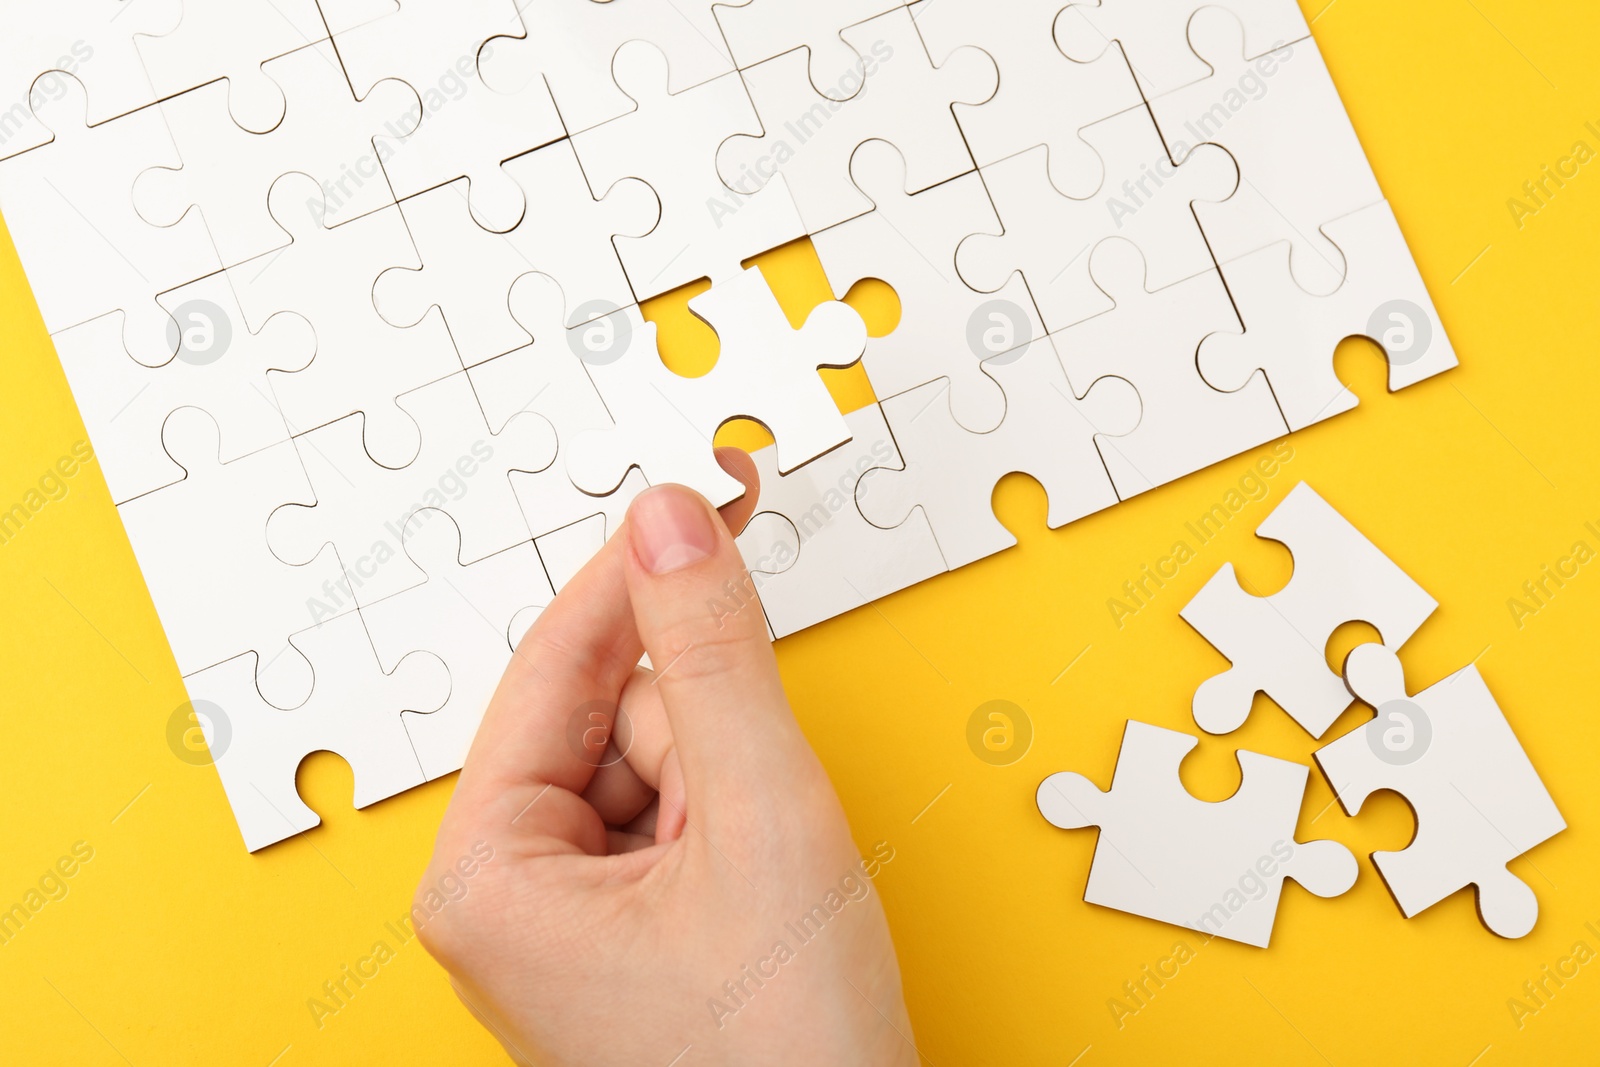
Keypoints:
(220, 367)
(463, 615)
(1277, 644)
(1151, 339)
(670, 141)
(88, 252)
(202, 545)
(229, 39)
(228, 171)
(758, 30)
(363, 508)
(93, 41)
(460, 127)
(1154, 35)
(572, 42)
(765, 370)
(1140, 196)
(1032, 70)
(354, 711)
(326, 276)
(946, 330)
(1451, 754)
(1281, 119)
(1213, 867)
(950, 473)
(1291, 335)
(809, 550)
(904, 99)
(468, 271)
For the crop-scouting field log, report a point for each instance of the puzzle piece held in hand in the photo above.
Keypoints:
(1451, 754)
(1278, 644)
(1213, 867)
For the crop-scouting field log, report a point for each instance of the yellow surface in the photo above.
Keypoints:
(172, 946)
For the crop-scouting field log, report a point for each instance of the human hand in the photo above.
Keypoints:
(675, 883)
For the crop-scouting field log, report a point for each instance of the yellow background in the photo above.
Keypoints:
(174, 946)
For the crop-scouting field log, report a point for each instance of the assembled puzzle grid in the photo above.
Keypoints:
(347, 292)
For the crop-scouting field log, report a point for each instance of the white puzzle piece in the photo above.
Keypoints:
(1291, 335)
(364, 509)
(1277, 644)
(1151, 339)
(1451, 754)
(463, 615)
(1033, 71)
(326, 276)
(809, 139)
(228, 171)
(220, 367)
(946, 329)
(1214, 867)
(758, 30)
(1138, 194)
(670, 142)
(950, 473)
(1281, 119)
(765, 370)
(571, 44)
(565, 551)
(811, 553)
(1154, 35)
(468, 271)
(354, 711)
(86, 249)
(202, 545)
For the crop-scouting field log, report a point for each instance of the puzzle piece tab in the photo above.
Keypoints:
(758, 30)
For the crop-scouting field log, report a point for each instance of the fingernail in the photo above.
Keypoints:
(670, 529)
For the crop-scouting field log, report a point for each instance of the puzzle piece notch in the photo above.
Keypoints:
(1165, 855)
(759, 30)
(354, 710)
(1450, 752)
(1277, 644)
(1290, 335)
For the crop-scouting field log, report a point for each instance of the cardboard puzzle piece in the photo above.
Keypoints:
(1277, 644)
(1290, 335)
(1449, 752)
(457, 126)
(220, 367)
(230, 39)
(354, 711)
(88, 252)
(92, 42)
(758, 30)
(550, 377)
(202, 545)
(812, 554)
(1215, 867)
(565, 551)
(766, 370)
(1151, 339)
(571, 44)
(950, 473)
(670, 142)
(946, 329)
(228, 171)
(1032, 69)
(468, 271)
(364, 508)
(464, 616)
(325, 276)
(1138, 195)
(1154, 35)
(344, 15)
(1281, 119)
(904, 99)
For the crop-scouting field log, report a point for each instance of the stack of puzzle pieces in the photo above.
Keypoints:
(348, 293)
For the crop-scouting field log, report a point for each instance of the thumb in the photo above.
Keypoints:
(698, 617)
